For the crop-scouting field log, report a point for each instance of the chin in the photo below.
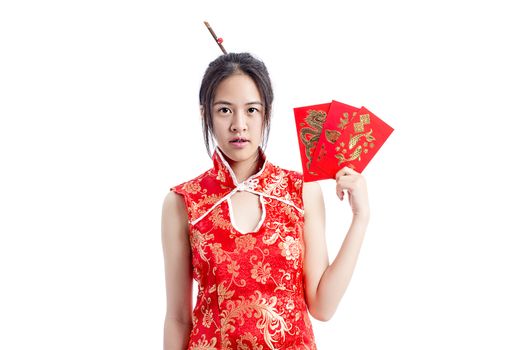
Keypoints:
(239, 155)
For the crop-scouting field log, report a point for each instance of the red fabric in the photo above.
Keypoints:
(251, 290)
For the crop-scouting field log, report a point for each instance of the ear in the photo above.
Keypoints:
(201, 111)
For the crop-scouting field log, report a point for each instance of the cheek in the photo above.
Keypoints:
(258, 124)
(218, 124)
(218, 130)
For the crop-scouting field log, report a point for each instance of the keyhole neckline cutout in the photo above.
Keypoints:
(260, 221)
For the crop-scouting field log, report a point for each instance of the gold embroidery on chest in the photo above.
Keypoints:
(199, 207)
(276, 184)
(217, 217)
(245, 243)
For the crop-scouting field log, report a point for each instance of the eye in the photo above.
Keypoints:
(224, 110)
(252, 110)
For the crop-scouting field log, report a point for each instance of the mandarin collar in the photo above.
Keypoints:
(226, 176)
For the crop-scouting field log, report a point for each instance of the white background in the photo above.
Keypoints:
(99, 117)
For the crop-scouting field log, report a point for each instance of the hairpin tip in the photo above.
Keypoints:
(218, 40)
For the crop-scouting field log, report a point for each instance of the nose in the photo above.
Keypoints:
(238, 123)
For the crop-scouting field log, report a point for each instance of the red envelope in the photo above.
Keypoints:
(309, 121)
(351, 137)
(337, 124)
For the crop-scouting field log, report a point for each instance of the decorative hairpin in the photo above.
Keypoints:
(219, 41)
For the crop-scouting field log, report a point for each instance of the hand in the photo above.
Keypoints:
(355, 184)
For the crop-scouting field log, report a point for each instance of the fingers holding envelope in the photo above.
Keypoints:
(355, 184)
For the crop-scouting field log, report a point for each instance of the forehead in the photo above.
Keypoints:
(237, 88)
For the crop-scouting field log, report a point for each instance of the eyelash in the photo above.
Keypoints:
(227, 110)
(224, 110)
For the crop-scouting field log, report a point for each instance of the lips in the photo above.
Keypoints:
(239, 143)
(239, 140)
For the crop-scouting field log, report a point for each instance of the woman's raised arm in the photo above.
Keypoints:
(326, 283)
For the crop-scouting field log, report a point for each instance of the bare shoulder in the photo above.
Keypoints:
(311, 195)
(174, 213)
(173, 203)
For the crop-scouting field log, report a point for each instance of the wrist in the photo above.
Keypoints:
(361, 215)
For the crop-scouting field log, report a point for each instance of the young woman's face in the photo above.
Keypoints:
(237, 115)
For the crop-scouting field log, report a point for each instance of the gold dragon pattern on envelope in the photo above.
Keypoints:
(250, 285)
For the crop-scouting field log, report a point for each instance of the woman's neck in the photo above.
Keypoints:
(246, 168)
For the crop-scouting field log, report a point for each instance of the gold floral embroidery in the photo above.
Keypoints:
(192, 187)
(298, 183)
(290, 304)
(208, 318)
(219, 254)
(276, 184)
(261, 272)
(233, 268)
(290, 212)
(282, 285)
(280, 228)
(224, 293)
(253, 344)
(218, 218)
(221, 176)
(272, 325)
(245, 243)
(198, 208)
(199, 241)
(203, 344)
(298, 315)
(270, 237)
(290, 248)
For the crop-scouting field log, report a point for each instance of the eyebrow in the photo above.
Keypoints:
(229, 103)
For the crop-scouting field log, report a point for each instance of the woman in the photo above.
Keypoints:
(251, 233)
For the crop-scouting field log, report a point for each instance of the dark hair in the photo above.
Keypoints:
(220, 69)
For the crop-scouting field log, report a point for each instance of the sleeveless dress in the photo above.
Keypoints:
(250, 285)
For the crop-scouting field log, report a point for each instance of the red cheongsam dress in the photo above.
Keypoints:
(250, 285)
